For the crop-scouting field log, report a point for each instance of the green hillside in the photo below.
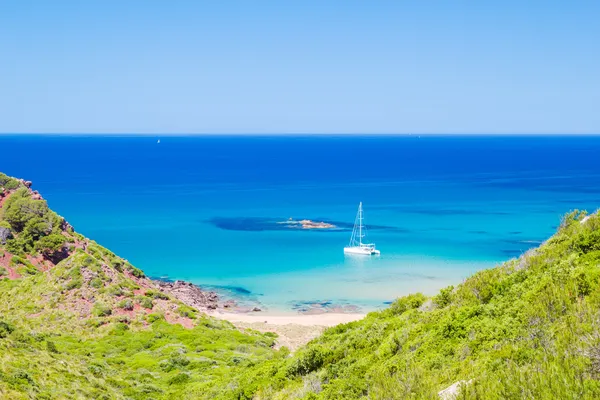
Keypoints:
(77, 321)
(528, 329)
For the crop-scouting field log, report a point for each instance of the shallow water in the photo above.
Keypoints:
(205, 208)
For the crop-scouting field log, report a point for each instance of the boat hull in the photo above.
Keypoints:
(365, 251)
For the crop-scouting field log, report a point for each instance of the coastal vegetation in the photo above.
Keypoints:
(77, 321)
(529, 328)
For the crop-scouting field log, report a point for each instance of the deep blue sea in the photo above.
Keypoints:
(205, 208)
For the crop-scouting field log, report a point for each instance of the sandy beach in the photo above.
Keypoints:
(325, 319)
(293, 330)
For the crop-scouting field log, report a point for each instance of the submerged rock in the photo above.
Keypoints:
(229, 304)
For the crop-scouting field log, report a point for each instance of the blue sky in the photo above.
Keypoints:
(300, 66)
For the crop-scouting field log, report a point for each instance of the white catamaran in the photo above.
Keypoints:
(356, 245)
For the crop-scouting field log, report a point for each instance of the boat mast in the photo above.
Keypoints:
(360, 219)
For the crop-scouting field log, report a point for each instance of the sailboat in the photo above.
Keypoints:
(356, 246)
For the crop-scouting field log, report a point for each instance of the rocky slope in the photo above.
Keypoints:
(86, 270)
(77, 321)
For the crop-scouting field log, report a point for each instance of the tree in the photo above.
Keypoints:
(51, 246)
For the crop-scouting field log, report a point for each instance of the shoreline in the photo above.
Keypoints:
(323, 320)
(293, 331)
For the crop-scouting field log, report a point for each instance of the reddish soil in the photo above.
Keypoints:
(77, 302)
(4, 198)
(40, 262)
(176, 319)
(5, 262)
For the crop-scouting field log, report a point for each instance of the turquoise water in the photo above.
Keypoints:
(205, 209)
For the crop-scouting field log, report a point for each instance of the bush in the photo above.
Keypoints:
(308, 361)
(120, 328)
(135, 271)
(123, 318)
(51, 245)
(152, 318)
(126, 304)
(117, 264)
(179, 379)
(101, 310)
(155, 294)
(444, 297)
(186, 311)
(51, 347)
(115, 290)
(7, 182)
(73, 284)
(145, 302)
(96, 283)
(32, 220)
(5, 329)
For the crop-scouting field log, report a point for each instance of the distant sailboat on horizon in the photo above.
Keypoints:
(356, 246)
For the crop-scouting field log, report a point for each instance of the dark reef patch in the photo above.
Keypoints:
(324, 306)
(258, 224)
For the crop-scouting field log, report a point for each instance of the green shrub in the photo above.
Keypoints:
(115, 290)
(73, 284)
(51, 347)
(14, 246)
(5, 329)
(126, 304)
(50, 245)
(309, 360)
(97, 369)
(7, 182)
(117, 264)
(101, 310)
(28, 269)
(179, 379)
(134, 271)
(444, 297)
(96, 283)
(145, 302)
(119, 328)
(186, 311)
(151, 318)
(88, 261)
(123, 318)
(155, 294)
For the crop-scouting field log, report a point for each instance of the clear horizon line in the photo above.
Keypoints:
(302, 133)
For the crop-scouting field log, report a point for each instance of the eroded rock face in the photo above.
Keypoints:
(190, 294)
(26, 183)
(4, 235)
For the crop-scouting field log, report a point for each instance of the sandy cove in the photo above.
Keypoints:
(325, 319)
(293, 330)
